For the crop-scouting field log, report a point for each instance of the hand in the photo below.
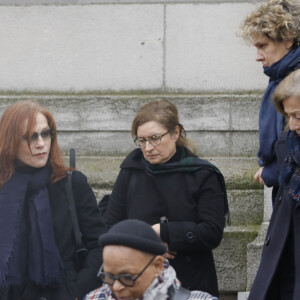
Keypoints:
(258, 177)
(168, 254)
(156, 228)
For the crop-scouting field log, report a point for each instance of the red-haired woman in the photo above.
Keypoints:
(36, 233)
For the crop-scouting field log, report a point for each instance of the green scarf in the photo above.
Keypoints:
(189, 163)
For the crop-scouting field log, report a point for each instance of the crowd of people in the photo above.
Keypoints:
(168, 207)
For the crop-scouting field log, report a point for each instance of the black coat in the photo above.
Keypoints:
(193, 202)
(278, 276)
(74, 284)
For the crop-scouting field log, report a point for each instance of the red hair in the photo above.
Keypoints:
(11, 131)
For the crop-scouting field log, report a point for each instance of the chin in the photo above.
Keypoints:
(39, 165)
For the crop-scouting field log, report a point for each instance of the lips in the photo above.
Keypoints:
(41, 154)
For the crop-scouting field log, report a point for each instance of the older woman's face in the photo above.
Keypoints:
(291, 107)
(268, 51)
(165, 150)
(37, 154)
(124, 260)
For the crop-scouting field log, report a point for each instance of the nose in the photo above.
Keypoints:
(117, 286)
(148, 146)
(259, 56)
(39, 142)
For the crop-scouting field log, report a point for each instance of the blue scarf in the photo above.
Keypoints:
(290, 173)
(28, 252)
(271, 121)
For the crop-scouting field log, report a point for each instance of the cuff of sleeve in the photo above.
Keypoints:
(164, 233)
(270, 175)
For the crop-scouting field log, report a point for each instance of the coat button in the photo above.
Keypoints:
(279, 200)
(189, 235)
(43, 298)
(267, 240)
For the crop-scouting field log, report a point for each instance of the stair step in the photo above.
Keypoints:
(231, 257)
(103, 170)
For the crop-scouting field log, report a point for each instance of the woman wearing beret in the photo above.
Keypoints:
(182, 196)
(37, 243)
(134, 267)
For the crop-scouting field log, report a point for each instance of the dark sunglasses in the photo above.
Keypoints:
(45, 134)
(126, 279)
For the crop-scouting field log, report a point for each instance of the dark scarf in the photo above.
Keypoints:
(271, 121)
(290, 173)
(183, 161)
(28, 252)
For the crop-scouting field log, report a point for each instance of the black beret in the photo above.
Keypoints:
(135, 234)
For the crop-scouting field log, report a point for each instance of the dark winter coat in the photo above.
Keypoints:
(271, 122)
(74, 284)
(278, 276)
(193, 202)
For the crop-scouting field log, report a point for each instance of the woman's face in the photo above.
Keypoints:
(37, 154)
(165, 150)
(268, 51)
(291, 107)
(124, 260)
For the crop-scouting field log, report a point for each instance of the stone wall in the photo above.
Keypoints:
(94, 63)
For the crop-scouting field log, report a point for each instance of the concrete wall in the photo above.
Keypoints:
(126, 45)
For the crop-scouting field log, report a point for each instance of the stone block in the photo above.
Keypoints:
(235, 112)
(100, 125)
(81, 47)
(246, 206)
(203, 51)
(254, 250)
(231, 258)
(243, 295)
(121, 46)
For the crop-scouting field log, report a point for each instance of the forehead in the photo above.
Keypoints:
(150, 128)
(260, 39)
(291, 104)
(119, 258)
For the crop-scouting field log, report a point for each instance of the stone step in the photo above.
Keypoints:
(103, 170)
(220, 124)
(245, 196)
(231, 257)
(246, 206)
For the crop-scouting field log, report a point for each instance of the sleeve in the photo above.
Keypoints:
(207, 232)
(270, 174)
(117, 206)
(91, 226)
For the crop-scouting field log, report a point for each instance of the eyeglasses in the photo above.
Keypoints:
(126, 279)
(45, 135)
(154, 140)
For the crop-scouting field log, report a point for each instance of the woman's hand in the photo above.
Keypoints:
(258, 177)
(168, 254)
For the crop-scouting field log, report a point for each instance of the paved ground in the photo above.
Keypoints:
(230, 296)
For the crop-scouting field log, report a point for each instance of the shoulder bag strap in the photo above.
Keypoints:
(70, 196)
(182, 294)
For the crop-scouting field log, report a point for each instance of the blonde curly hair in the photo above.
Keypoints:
(278, 20)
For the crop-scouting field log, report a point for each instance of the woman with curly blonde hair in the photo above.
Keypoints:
(274, 29)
